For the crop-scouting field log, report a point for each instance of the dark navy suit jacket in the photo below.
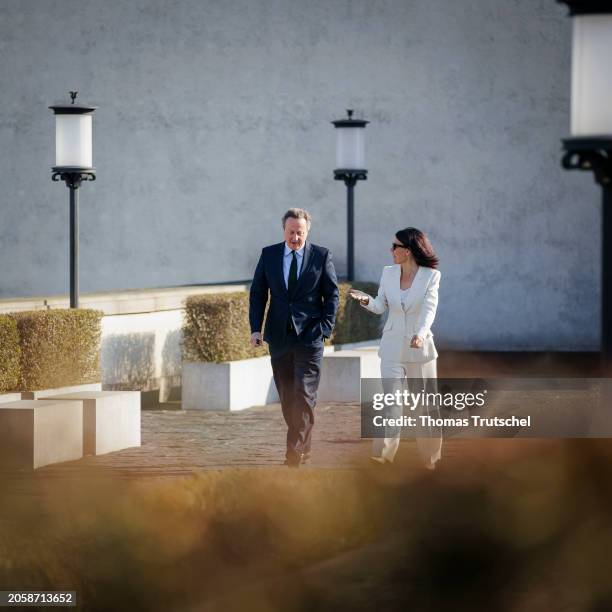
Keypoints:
(311, 306)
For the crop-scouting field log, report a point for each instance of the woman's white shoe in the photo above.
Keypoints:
(379, 460)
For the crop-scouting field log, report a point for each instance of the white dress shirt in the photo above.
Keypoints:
(404, 297)
(299, 254)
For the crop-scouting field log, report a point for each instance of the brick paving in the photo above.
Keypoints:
(177, 443)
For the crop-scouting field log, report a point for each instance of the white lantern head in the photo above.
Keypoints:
(591, 112)
(73, 135)
(350, 143)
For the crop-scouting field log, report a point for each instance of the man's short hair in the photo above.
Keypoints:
(297, 213)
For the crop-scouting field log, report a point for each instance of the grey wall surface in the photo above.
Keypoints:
(214, 118)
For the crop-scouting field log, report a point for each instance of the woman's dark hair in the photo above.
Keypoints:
(419, 246)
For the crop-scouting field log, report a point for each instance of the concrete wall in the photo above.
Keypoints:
(214, 118)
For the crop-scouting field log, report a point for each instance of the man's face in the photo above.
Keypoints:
(296, 231)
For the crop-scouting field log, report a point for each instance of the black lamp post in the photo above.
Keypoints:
(350, 162)
(73, 164)
(590, 145)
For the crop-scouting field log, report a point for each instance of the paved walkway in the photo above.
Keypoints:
(178, 442)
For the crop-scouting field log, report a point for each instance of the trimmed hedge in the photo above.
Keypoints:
(10, 354)
(216, 325)
(353, 322)
(59, 348)
(216, 328)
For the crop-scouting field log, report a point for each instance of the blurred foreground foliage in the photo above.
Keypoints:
(515, 525)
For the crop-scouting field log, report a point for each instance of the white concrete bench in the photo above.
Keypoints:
(30, 395)
(34, 433)
(9, 397)
(111, 419)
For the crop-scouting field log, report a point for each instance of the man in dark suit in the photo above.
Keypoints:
(301, 280)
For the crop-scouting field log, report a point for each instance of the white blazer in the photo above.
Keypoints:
(415, 316)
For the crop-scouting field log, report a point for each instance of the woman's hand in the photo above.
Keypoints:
(360, 296)
(416, 342)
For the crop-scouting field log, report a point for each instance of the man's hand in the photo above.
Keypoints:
(416, 342)
(256, 339)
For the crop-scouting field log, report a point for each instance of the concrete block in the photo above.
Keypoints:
(30, 395)
(340, 378)
(111, 419)
(9, 397)
(342, 371)
(233, 385)
(34, 433)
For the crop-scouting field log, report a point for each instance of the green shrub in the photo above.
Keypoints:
(216, 326)
(353, 322)
(9, 354)
(59, 348)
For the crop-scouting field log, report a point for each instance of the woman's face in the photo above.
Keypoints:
(399, 254)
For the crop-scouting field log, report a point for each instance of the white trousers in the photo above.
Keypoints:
(403, 375)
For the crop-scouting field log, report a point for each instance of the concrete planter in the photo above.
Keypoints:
(357, 346)
(30, 395)
(233, 385)
(111, 419)
(34, 433)
(236, 385)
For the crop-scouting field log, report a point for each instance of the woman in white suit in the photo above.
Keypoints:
(409, 290)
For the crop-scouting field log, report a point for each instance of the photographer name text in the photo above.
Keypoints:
(429, 421)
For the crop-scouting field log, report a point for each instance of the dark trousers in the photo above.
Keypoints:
(297, 371)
